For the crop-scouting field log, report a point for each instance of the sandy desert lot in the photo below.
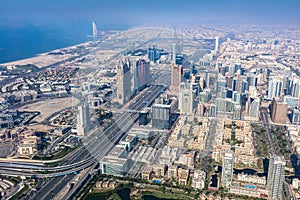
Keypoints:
(49, 107)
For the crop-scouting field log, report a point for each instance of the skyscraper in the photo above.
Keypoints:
(123, 81)
(294, 87)
(141, 74)
(192, 67)
(221, 85)
(254, 107)
(279, 111)
(213, 110)
(227, 169)
(207, 79)
(295, 116)
(153, 53)
(276, 177)
(187, 97)
(83, 119)
(176, 78)
(173, 52)
(200, 109)
(275, 88)
(161, 116)
(95, 31)
(217, 44)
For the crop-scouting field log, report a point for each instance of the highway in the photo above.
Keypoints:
(209, 141)
(96, 148)
(265, 122)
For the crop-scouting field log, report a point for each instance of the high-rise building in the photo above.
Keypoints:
(176, 78)
(276, 177)
(237, 112)
(236, 97)
(254, 107)
(213, 110)
(173, 52)
(275, 88)
(153, 53)
(293, 88)
(205, 96)
(295, 116)
(187, 96)
(217, 44)
(141, 74)
(200, 109)
(123, 81)
(279, 111)
(192, 67)
(207, 79)
(221, 85)
(83, 119)
(161, 116)
(95, 31)
(179, 47)
(239, 84)
(227, 169)
(144, 117)
(291, 101)
(252, 80)
(224, 105)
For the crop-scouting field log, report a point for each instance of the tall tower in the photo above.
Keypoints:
(227, 169)
(294, 87)
(176, 77)
(141, 74)
(254, 107)
(123, 81)
(161, 116)
(83, 119)
(192, 67)
(95, 31)
(186, 98)
(276, 177)
(279, 111)
(173, 52)
(217, 44)
(275, 88)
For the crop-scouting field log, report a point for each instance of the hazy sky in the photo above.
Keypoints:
(151, 12)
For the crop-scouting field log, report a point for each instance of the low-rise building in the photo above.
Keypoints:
(296, 183)
(198, 181)
(248, 190)
(147, 173)
(172, 172)
(114, 166)
(159, 170)
(26, 149)
(252, 179)
(183, 176)
(129, 141)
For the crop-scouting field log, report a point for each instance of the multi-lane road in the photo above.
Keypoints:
(265, 121)
(88, 156)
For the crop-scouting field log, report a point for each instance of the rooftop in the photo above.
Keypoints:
(108, 160)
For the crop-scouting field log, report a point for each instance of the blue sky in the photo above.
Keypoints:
(151, 12)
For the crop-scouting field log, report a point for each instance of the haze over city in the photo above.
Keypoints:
(136, 12)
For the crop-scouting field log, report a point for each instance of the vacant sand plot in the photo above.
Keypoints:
(49, 107)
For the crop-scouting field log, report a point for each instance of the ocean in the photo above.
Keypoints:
(25, 41)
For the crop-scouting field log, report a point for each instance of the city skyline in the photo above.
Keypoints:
(141, 100)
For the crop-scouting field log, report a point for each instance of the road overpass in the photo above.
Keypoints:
(93, 151)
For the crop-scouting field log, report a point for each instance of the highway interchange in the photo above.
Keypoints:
(87, 157)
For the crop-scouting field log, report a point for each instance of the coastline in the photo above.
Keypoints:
(44, 59)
